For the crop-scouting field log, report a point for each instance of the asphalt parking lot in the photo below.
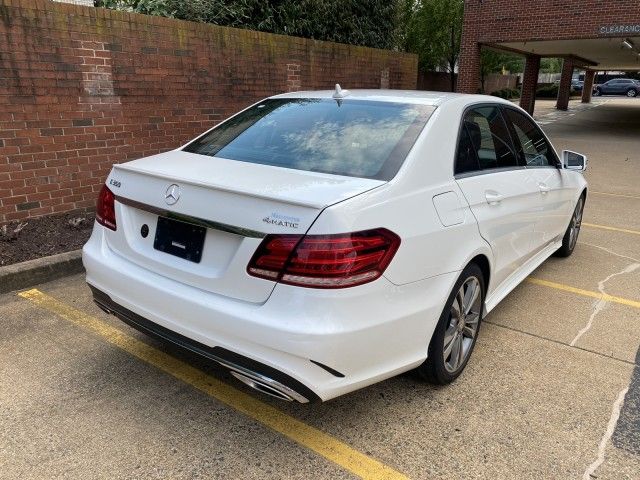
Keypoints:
(552, 390)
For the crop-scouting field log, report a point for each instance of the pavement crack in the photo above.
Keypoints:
(611, 426)
(561, 343)
(602, 303)
(605, 249)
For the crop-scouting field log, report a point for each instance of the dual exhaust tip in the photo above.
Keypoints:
(268, 386)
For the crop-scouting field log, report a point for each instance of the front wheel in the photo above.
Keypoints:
(597, 92)
(457, 330)
(632, 93)
(571, 235)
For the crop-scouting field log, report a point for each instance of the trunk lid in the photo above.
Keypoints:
(237, 202)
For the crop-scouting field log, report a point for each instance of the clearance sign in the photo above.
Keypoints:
(619, 29)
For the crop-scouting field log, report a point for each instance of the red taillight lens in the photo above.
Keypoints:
(325, 261)
(106, 208)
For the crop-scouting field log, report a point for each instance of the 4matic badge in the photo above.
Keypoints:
(282, 220)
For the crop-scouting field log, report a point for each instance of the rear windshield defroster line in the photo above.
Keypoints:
(356, 138)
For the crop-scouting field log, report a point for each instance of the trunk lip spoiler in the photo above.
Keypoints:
(223, 227)
(371, 183)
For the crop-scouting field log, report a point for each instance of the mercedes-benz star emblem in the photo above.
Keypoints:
(172, 195)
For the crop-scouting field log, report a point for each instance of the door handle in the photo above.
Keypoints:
(492, 197)
(544, 188)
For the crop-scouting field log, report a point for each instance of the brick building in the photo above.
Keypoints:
(594, 35)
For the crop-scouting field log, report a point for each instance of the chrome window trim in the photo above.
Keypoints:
(487, 171)
(223, 227)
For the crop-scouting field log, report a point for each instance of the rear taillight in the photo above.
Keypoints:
(106, 208)
(325, 261)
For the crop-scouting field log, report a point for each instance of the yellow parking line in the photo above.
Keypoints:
(615, 229)
(320, 442)
(615, 195)
(586, 293)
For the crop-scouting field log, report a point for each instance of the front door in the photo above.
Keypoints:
(554, 195)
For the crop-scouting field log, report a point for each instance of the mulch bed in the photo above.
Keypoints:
(43, 236)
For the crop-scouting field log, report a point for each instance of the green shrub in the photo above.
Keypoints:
(547, 91)
(551, 91)
(507, 93)
(372, 23)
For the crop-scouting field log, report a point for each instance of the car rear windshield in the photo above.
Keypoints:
(357, 138)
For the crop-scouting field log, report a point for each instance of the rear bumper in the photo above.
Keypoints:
(318, 343)
(288, 388)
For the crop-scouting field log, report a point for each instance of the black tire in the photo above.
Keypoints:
(436, 369)
(597, 92)
(569, 241)
(632, 92)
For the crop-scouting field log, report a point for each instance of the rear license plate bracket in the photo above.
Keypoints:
(181, 239)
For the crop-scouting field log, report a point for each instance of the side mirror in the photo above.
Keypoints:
(574, 161)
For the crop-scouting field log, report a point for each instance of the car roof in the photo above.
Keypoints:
(421, 97)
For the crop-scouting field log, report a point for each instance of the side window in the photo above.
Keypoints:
(533, 146)
(467, 159)
(484, 142)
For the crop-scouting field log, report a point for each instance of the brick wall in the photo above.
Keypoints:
(496, 21)
(435, 81)
(82, 88)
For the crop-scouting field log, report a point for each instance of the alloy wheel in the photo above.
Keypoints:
(464, 319)
(576, 222)
(631, 93)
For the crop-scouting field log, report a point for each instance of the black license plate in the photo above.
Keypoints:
(181, 239)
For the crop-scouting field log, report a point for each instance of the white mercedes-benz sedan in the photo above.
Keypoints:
(318, 242)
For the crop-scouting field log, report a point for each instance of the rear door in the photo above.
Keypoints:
(554, 195)
(499, 191)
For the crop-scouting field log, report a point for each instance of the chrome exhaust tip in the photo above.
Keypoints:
(269, 386)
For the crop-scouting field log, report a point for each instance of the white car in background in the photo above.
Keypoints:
(318, 242)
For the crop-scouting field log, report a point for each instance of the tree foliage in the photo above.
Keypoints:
(432, 29)
(371, 23)
(550, 65)
(492, 61)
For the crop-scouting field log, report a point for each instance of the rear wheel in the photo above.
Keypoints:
(632, 92)
(457, 330)
(571, 235)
